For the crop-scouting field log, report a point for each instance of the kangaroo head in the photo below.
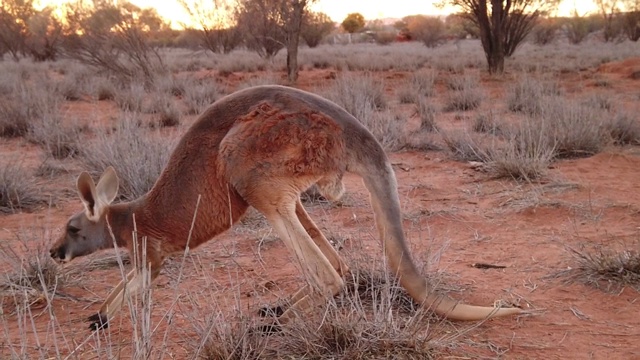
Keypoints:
(87, 231)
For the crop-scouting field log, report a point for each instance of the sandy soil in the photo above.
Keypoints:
(448, 206)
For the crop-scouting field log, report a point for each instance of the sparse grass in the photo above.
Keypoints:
(138, 155)
(606, 268)
(18, 188)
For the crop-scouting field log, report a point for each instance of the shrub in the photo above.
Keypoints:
(131, 97)
(464, 146)
(18, 188)
(464, 100)
(427, 114)
(487, 123)
(199, 95)
(577, 131)
(363, 97)
(603, 267)
(624, 129)
(423, 82)
(529, 96)
(58, 140)
(526, 155)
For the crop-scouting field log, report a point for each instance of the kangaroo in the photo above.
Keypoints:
(258, 147)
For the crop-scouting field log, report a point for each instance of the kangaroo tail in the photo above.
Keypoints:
(380, 180)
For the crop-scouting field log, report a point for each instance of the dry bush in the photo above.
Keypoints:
(465, 94)
(137, 154)
(31, 272)
(373, 318)
(464, 146)
(624, 129)
(408, 95)
(423, 82)
(363, 97)
(462, 82)
(427, 114)
(487, 123)
(27, 104)
(199, 95)
(576, 130)
(529, 96)
(358, 94)
(524, 152)
(606, 268)
(131, 97)
(18, 188)
(525, 155)
(102, 88)
(56, 139)
(463, 100)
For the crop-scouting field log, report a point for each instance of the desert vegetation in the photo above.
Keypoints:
(531, 169)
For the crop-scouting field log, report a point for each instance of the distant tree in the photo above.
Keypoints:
(461, 27)
(579, 27)
(112, 38)
(215, 24)
(502, 24)
(45, 35)
(315, 26)
(14, 18)
(261, 25)
(430, 30)
(270, 25)
(353, 23)
(609, 10)
(631, 22)
(545, 31)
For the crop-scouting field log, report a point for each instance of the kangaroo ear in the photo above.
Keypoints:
(87, 192)
(96, 198)
(107, 187)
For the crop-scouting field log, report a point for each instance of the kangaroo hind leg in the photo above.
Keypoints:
(280, 209)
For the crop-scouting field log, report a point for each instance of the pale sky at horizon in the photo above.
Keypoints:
(339, 9)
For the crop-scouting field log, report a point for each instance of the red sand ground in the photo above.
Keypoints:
(447, 205)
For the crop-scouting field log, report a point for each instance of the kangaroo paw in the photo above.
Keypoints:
(271, 311)
(98, 322)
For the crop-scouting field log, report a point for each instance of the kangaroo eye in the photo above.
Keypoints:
(72, 230)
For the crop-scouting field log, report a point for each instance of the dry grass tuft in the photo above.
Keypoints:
(33, 276)
(606, 268)
(18, 189)
(625, 130)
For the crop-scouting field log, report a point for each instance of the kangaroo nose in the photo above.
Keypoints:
(58, 252)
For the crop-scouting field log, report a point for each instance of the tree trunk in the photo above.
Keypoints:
(293, 39)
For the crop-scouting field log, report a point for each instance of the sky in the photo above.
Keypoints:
(339, 9)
